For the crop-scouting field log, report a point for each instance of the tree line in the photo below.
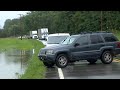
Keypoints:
(72, 22)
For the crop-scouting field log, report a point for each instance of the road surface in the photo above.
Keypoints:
(83, 70)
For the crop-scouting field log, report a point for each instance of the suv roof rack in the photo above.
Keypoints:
(86, 32)
(90, 32)
(103, 32)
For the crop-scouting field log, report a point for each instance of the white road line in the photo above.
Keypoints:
(61, 76)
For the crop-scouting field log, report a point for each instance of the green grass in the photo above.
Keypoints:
(35, 69)
(117, 34)
(7, 43)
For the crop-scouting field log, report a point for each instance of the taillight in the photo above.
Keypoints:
(118, 44)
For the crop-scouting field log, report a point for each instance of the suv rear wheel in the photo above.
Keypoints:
(61, 61)
(107, 57)
(48, 64)
(92, 61)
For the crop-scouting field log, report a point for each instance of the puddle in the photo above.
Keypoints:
(13, 63)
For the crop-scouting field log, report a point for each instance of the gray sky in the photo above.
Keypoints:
(9, 15)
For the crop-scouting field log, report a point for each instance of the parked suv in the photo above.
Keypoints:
(85, 46)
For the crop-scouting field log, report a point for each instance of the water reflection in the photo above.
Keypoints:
(13, 63)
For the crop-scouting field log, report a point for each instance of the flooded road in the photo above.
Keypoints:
(82, 70)
(13, 63)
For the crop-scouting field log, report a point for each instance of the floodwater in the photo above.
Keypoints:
(13, 63)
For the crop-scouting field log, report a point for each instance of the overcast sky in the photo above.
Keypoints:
(9, 15)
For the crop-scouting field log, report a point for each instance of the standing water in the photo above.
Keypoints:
(13, 63)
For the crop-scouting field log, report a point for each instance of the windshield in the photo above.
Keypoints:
(56, 39)
(69, 40)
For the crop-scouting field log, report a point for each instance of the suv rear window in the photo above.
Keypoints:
(96, 39)
(109, 38)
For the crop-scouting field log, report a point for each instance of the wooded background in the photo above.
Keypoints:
(72, 22)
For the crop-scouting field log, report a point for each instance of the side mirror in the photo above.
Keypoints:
(76, 44)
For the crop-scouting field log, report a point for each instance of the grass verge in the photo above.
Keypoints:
(35, 69)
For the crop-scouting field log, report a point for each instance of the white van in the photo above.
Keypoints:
(54, 39)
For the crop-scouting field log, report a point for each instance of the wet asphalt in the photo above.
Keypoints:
(84, 70)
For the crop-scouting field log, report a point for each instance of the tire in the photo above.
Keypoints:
(48, 64)
(61, 61)
(92, 61)
(107, 57)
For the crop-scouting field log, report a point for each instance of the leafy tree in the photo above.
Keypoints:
(72, 22)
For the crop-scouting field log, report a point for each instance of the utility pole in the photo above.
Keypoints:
(20, 25)
(101, 20)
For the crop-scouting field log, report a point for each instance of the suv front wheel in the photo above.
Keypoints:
(61, 61)
(107, 57)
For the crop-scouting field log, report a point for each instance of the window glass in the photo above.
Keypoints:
(69, 40)
(56, 39)
(83, 40)
(96, 39)
(109, 38)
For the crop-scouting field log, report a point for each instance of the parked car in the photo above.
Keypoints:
(53, 39)
(86, 46)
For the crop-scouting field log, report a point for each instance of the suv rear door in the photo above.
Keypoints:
(96, 42)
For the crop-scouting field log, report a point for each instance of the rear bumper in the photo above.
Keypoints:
(117, 51)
